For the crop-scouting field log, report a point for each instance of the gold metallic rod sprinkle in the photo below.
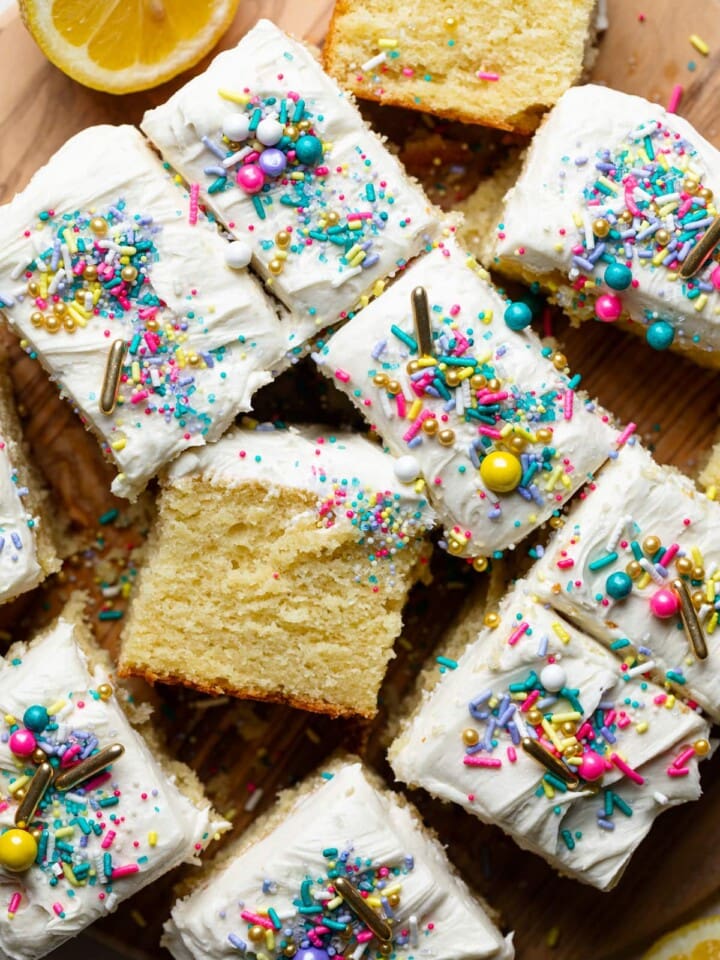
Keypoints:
(90, 767)
(552, 763)
(42, 778)
(690, 620)
(111, 380)
(421, 316)
(701, 251)
(364, 911)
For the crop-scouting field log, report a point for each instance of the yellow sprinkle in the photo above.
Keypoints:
(608, 183)
(699, 44)
(242, 98)
(56, 707)
(152, 838)
(553, 478)
(465, 372)
(487, 317)
(270, 939)
(548, 728)
(378, 288)
(700, 302)
(119, 444)
(138, 918)
(426, 362)
(387, 43)
(642, 726)
(711, 492)
(549, 792)
(670, 702)
(389, 891)
(493, 702)
(659, 257)
(419, 485)
(566, 717)
(10, 720)
(553, 935)
(559, 247)
(355, 225)
(64, 832)
(565, 480)
(643, 581)
(299, 175)
(668, 208)
(561, 632)
(712, 623)
(577, 218)
(70, 876)
(135, 369)
(662, 160)
(358, 259)
(414, 409)
(710, 591)
(334, 903)
(375, 902)
(523, 432)
(574, 761)
(506, 430)
(697, 556)
(20, 782)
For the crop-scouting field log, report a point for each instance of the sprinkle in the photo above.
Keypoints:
(517, 633)
(675, 96)
(487, 75)
(489, 762)
(193, 212)
(447, 662)
(626, 769)
(699, 44)
(625, 435)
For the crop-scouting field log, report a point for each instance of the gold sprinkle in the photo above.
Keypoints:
(551, 763)
(702, 251)
(362, 910)
(90, 767)
(421, 316)
(111, 380)
(693, 629)
(35, 791)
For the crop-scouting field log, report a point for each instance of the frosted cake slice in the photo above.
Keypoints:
(133, 302)
(27, 548)
(643, 540)
(291, 886)
(543, 732)
(91, 812)
(480, 417)
(285, 160)
(278, 570)
(615, 214)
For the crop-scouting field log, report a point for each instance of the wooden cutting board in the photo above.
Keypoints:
(246, 752)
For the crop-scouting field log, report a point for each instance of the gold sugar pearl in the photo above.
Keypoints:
(430, 426)
(291, 131)
(129, 274)
(570, 751)
(394, 899)
(544, 434)
(451, 23)
(304, 125)
(99, 226)
(90, 272)
(60, 309)
(282, 239)
(38, 755)
(70, 324)
(706, 193)
(494, 384)
(385, 949)
(480, 564)
(452, 378)
(557, 522)
(534, 716)
(33, 288)
(625, 216)
(634, 570)
(662, 237)
(684, 565)
(193, 359)
(698, 598)
(380, 379)
(332, 217)
(412, 367)
(559, 360)
(478, 381)
(517, 444)
(105, 691)
(568, 728)
(698, 573)
(651, 545)
(36, 318)
(256, 933)
(36, 832)
(454, 547)
(152, 324)
(80, 296)
(19, 794)
(290, 950)
(52, 324)
(394, 387)
(492, 620)
(691, 186)
(446, 437)
(470, 737)
(601, 227)
(275, 266)
(701, 748)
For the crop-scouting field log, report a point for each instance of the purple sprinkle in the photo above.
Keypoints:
(15, 537)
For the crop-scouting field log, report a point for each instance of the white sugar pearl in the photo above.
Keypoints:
(269, 131)
(407, 469)
(238, 254)
(236, 126)
(553, 677)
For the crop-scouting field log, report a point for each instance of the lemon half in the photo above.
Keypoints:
(699, 940)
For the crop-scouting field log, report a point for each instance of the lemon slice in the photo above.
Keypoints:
(695, 941)
(123, 45)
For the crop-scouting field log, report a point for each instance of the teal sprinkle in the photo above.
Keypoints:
(675, 677)
(447, 662)
(603, 561)
(275, 919)
(259, 208)
(621, 805)
(619, 644)
(555, 782)
(107, 802)
(110, 615)
(410, 342)
(636, 550)
(568, 838)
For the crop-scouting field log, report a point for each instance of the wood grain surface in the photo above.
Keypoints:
(240, 749)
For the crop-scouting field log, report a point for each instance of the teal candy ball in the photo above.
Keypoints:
(308, 149)
(618, 276)
(618, 585)
(518, 315)
(660, 335)
(36, 718)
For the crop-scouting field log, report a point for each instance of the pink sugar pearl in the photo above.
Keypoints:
(22, 743)
(592, 766)
(608, 307)
(251, 178)
(715, 278)
(664, 604)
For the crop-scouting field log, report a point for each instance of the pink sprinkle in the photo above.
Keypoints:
(677, 771)
(139, 396)
(256, 919)
(487, 75)
(401, 405)
(4, 805)
(125, 871)
(627, 769)
(660, 699)
(670, 554)
(517, 633)
(487, 397)
(586, 732)
(490, 432)
(489, 762)
(529, 700)
(407, 71)
(674, 101)
(630, 185)
(58, 909)
(342, 375)
(108, 839)
(366, 215)
(416, 426)
(454, 309)
(623, 721)
(70, 755)
(566, 563)
(626, 434)
(364, 936)
(568, 404)
(512, 754)
(14, 904)
(194, 194)
(683, 757)
(97, 781)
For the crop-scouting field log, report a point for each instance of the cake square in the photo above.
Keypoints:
(286, 162)
(620, 751)
(614, 569)
(27, 539)
(614, 203)
(102, 252)
(479, 64)
(113, 816)
(495, 433)
(278, 570)
(279, 885)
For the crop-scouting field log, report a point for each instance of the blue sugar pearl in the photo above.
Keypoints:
(618, 276)
(36, 718)
(518, 316)
(618, 585)
(308, 149)
(660, 335)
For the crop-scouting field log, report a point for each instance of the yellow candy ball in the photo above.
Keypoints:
(18, 850)
(501, 472)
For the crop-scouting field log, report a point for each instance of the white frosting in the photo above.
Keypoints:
(316, 282)
(225, 310)
(549, 196)
(634, 498)
(20, 568)
(53, 671)
(429, 751)
(460, 299)
(348, 814)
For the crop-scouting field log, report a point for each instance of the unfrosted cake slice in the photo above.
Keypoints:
(543, 732)
(479, 415)
(285, 160)
(480, 63)
(340, 867)
(133, 302)
(637, 565)
(27, 538)
(615, 215)
(278, 570)
(91, 811)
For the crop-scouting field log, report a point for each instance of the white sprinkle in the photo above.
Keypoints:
(236, 157)
(374, 62)
(66, 259)
(649, 568)
(660, 797)
(640, 668)
(253, 800)
(56, 280)
(17, 271)
(413, 925)
(589, 235)
(111, 902)
(617, 532)
(359, 950)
